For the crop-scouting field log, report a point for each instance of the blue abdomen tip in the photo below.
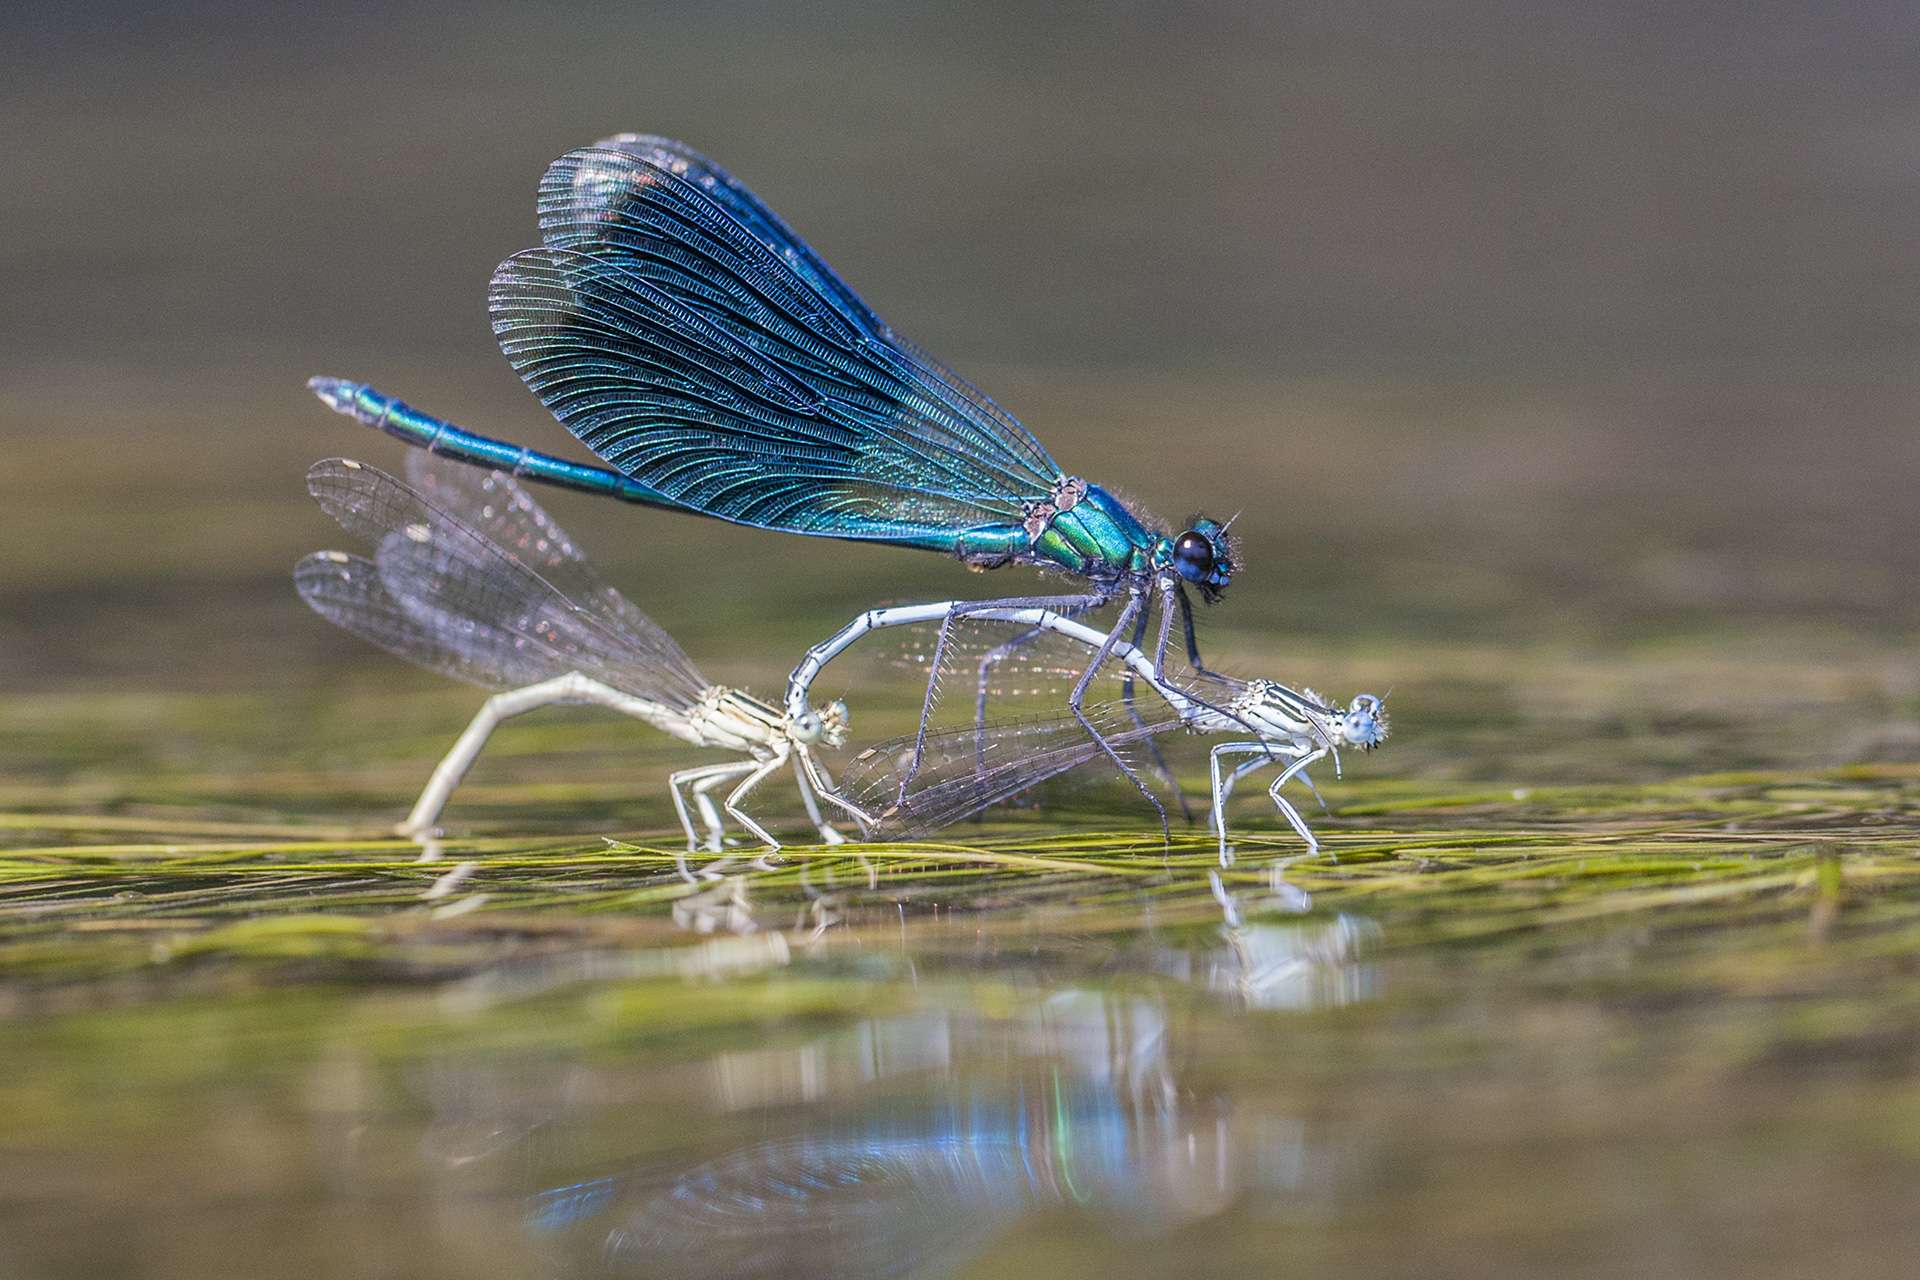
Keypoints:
(337, 393)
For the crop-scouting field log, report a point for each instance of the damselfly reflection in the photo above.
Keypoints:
(921, 1140)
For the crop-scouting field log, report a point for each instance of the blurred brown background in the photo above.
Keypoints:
(1506, 325)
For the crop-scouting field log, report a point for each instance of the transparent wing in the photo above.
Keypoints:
(348, 591)
(1021, 670)
(501, 511)
(458, 582)
(682, 333)
(965, 770)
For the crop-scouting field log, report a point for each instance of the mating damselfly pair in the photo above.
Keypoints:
(676, 326)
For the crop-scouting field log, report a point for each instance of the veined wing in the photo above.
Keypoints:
(458, 582)
(773, 232)
(751, 212)
(499, 508)
(1025, 671)
(963, 771)
(682, 333)
(348, 591)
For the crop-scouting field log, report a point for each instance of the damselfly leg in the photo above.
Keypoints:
(828, 834)
(1133, 712)
(1291, 814)
(697, 781)
(1267, 752)
(570, 688)
(1065, 606)
(760, 773)
(1076, 703)
(1250, 766)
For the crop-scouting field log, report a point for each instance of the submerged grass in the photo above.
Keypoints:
(1448, 862)
(1555, 921)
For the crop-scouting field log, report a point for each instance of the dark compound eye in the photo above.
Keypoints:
(1193, 556)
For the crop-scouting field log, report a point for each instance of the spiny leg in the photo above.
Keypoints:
(705, 779)
(1221, 789)
(1064, 605)
(1133, 713)
(739, 793)
(824, 788)
(815, 777)
(1077, 698)
(827, 833)
(1167, 589)
(1291, 814)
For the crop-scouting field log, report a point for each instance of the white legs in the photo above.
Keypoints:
(704, 777)
(1263, 753)
(817, 778)
(696, 782)
(572, 687)
(827, 833)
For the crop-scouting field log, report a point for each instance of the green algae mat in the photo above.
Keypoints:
(1546, 1000)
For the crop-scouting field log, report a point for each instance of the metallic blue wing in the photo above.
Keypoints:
(778, 237)
(682, 333)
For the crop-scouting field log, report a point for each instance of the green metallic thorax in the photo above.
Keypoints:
(1096, 538)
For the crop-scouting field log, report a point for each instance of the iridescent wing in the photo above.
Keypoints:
(678, 328)
(963, 771)
(476, 599)
(773, 232)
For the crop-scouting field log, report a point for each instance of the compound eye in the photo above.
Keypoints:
(808, 726)
(1193, 556)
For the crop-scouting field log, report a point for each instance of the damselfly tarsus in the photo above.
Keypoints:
(683, 333)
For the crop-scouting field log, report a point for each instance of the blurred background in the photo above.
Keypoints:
(1505, 325)
(1560, 360)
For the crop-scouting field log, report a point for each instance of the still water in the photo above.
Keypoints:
(290, 1062)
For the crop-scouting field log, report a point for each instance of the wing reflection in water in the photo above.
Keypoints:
(905, 1145)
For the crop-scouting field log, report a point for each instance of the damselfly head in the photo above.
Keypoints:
(1203, 556)
(826, 724)
(1364, 723)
